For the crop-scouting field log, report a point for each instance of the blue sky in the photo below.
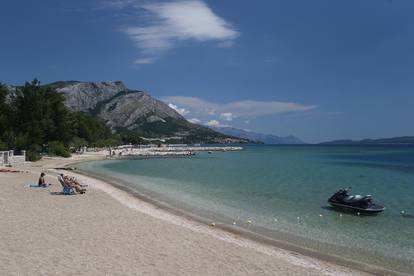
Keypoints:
(319, 70)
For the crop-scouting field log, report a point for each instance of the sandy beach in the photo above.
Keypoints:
(109, 232)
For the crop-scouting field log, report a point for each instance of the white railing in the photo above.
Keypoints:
(8, 158)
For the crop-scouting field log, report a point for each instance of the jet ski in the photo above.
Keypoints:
(365, 204)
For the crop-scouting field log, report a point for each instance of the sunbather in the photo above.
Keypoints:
(71, 182)
(42, 182)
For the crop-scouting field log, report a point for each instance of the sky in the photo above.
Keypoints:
(319, 70)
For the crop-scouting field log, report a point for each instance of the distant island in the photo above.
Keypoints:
(403, 140)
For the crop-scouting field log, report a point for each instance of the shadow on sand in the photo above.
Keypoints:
(59, 193)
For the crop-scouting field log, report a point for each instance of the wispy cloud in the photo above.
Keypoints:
(201, 111)
(215, 123)
(167, 24)
(194, 120)
(181, 111)
(145, 60)
(227, 116)
(243, 109)
(117, 4)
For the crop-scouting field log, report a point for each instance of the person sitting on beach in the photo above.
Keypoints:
(42, 182)
(71, 182)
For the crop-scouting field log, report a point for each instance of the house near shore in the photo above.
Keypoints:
(8, 158)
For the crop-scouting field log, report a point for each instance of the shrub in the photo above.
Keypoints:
(59, 149)
(33, 153)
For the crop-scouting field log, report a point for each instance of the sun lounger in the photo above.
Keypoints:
(67, 190)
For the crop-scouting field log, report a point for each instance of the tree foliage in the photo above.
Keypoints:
(35, 118)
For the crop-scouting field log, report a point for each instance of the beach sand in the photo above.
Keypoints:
(109, 232)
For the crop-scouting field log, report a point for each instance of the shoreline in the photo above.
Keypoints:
(241, 232)
(280, 257)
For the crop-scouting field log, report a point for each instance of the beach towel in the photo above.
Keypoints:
(38, 186)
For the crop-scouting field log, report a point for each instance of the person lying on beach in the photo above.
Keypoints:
(42, 182)
(72, 182)
(76, 182)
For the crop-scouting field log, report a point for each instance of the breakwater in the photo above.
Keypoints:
(130, 151)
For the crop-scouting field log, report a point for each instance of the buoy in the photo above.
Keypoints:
(249, 221)
(402, 212)
(298, 218)
(320, 215)
(212, 224)
(234, 223)
(340, 215)
(275, 219)
(358, 213)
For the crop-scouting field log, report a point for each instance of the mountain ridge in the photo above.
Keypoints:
(128, 110)
(399, 140)
(270, 139)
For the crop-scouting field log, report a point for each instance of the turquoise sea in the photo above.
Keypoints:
(283, 191)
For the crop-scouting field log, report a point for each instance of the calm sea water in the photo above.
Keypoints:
(283, 191)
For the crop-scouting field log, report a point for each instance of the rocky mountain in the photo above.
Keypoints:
(124, 109)
(114, 103)
(259, 137)
(405, 140)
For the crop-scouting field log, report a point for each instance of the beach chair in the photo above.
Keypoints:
(67, 190)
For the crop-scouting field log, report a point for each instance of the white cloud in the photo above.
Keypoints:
(227, 116)
(194, 120)
(211, 112)
(244, 109)
(181, 111)
(213, 123)
(116, 4)
(145, 60)
(169, 23)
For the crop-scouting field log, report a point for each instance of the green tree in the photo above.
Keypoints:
(132, 138)
(6, 117)
(37, 114)
(78, 143)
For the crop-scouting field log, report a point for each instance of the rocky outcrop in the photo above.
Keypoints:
(131, 109)
(85, 96)
(114, 103)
